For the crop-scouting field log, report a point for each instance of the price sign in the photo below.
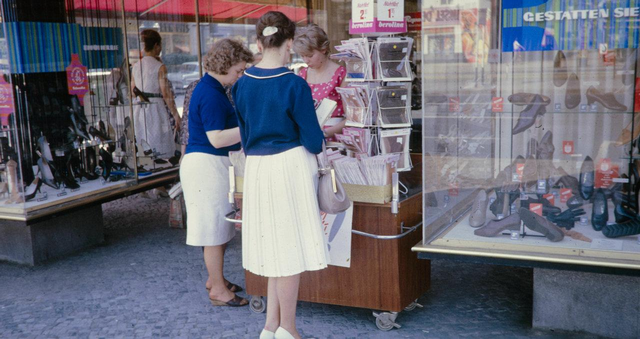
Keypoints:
(77, 81)
(391, 10)
(362, 11)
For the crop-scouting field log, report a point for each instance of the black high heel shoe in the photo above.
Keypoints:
(47, 175)
(31, 190)
(587, 178)
(106, 163)
(529, 114)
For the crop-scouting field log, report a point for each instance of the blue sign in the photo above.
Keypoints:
(540, 25)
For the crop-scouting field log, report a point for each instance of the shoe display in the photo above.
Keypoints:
(78, 127)
(529, 114)
(600, 211)
(631, 227)
(524, 99)
(479, 212)
(502, 204)
(574, 202)
(608, 100)
(31, 190)
(623, 214)
(106, 163)
(568, 181)
(547, 207)
(573, 96)
(495, 227)
(541, 225)
(559, 69)
(47, 174)
(98, 134)
(545, 147)
(567, 219)
(587, 178)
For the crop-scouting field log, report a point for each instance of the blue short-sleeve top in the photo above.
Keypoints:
(209, 110)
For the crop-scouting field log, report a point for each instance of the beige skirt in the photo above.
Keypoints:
(281, 229)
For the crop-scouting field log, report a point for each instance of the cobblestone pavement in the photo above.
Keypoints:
(144, 281)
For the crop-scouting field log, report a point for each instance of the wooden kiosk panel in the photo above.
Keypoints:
(384, 274)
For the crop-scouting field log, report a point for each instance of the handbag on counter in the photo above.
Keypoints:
(332, 198)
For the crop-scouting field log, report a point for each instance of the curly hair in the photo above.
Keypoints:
(309, 39)
(286, 29)
(224, 54)
(150, 38)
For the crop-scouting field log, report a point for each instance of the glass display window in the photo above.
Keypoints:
(530, 134)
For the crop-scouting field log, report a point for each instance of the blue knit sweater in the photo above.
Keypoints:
(275, 112)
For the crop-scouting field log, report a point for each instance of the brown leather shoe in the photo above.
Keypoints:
(608, 100)
(495, 227)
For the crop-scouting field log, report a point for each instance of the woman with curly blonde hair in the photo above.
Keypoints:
(213, 132)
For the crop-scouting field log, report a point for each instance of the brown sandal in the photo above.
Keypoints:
(232, 287)
(236, 301)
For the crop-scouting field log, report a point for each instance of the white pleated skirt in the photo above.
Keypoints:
(281, 229)
(205, 183)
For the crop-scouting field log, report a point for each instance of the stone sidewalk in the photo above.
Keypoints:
(145, 282)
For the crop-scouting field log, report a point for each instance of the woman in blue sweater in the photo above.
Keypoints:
(281, 231)
(204, 172)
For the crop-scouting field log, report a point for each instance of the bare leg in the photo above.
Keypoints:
(287, 289)
(210, 279)
(214, 260)
(273, 306)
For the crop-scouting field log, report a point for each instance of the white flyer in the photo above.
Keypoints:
(337, 232)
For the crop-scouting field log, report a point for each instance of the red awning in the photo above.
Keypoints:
(176, 10)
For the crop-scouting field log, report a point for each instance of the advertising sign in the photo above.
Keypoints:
(77, 81)
(539, 25)
(6, 101)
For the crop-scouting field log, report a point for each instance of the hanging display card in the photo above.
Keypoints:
(6, 101)
(77, 81)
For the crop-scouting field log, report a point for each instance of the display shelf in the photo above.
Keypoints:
(54, 197)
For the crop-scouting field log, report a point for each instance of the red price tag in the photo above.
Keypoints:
(454, 104)
(565, 194)
(497, 104)
(605, 173)
(551, 198)
(536, 208)
(567, 147)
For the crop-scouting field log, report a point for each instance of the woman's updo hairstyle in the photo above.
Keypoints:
(309, 39)
(150, 38)
(286, 29)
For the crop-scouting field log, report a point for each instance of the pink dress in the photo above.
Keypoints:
(328, 89)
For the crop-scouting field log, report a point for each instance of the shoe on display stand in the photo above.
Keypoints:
(600, 211)
(524, 99)
(479, 212)
(545, 147)
(608, 100)
(566, 219)
(529, 114)
(541, 225)
(573, 96)
(631, 227)
(587, 178)
(559, 69)
(31, 190)
(495, 227)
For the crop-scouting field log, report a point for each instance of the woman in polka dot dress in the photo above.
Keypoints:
(322, 74)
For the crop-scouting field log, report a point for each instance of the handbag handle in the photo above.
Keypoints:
(327, 169)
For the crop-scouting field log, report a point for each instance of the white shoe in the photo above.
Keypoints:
(266, 334)
(281, 333)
